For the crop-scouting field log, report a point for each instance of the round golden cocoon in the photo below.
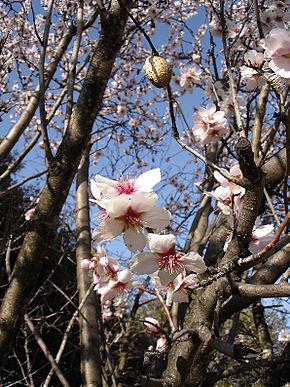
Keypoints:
(158, 71)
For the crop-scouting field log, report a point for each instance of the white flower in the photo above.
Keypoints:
(178, 289)
(277, 45)
(210, 125)
(164, 257)
(128, 215)
(103, 188)
(118, 286)
(261, 236)
(189, 77)
(235, 172)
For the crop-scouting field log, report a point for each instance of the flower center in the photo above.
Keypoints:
(132, 219)
(170, 261)
(126, 186)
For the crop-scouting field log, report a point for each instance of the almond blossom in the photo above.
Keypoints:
(210, 125)
(103, 188)
(128, 215)
(277, 46)
(250, 73)
(229, 195)
(164, 258)
(261, 236)
(189, 77)
(274, 16)
(178, 289)
(117, 286)
(102, 267)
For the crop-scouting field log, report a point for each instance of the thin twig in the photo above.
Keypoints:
(233, 92)
(46, 351)
(138, 25)
(270, 204)
(193, 151)
(25, 180)
(73, 64)
(42, 111)
(66, 335)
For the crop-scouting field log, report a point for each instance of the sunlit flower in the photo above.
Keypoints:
(164, 258)
(189, 77)
(235, 172)
(102, 267)
(103, 188)
(128, 215)
(277, 45)
(178, 289)
(119, 285)
(261, 236)
(210, 125)
(250, 73)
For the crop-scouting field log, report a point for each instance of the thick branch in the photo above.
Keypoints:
(264, 291)
(61, 172)
(91, 370)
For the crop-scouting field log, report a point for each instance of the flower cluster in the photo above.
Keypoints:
(210, 124)
(229, 195)
(128, 207)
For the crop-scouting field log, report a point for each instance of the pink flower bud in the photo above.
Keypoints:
(152, 325)
(85, 264)
(104, 261)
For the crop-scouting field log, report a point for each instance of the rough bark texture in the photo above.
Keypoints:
(187, 359)
(61, 173)
(90, 340)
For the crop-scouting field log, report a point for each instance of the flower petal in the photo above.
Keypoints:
(193, 262)
(148, 179)
(156, 218)
(165, 277)
(145, 263)
(107, 230)
(161, 243)
(143, 201)
(134, 240)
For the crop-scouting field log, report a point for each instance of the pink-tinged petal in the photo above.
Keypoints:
(134, 240)
(190, 281)
(143, 201)
(152, 324)
(125, 276)
(156, 218)
(165, 277)
(156, 281)
(103, 188)
(147, 180)
(107, 292)
(118, 206)
(220, 178)
(145, 263)
(223, 193)
(193, 262)
(107, 230)
(235, 171)
(161, 243)
(85, 264)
